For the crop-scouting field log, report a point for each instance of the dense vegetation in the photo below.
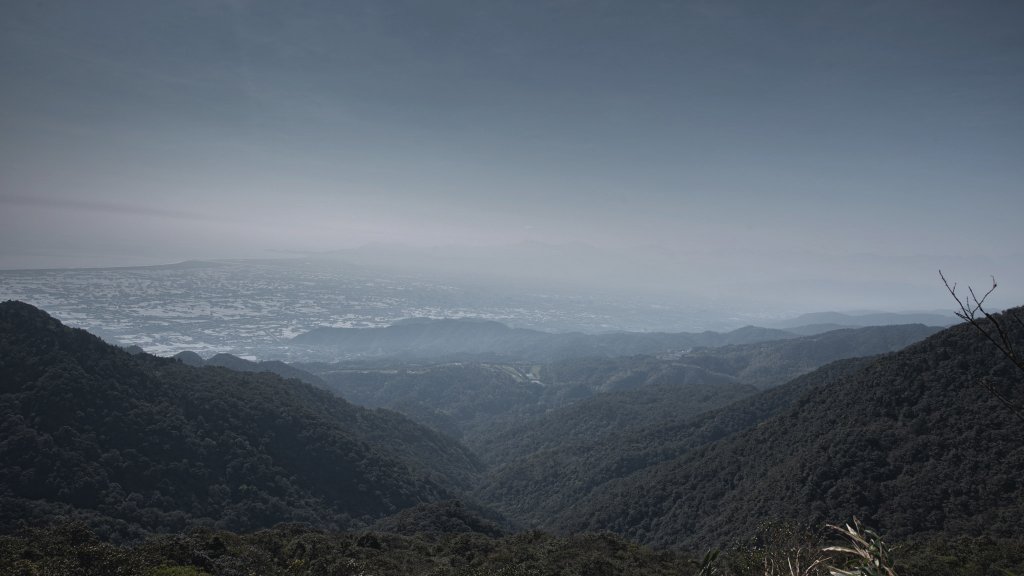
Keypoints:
(134, 442)
(544, 468)
(910, 443)
(682, 452)
(291, 550)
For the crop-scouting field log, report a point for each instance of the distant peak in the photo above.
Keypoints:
(190, 358)
(418, 320)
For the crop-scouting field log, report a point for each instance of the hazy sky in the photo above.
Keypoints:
(821, 132)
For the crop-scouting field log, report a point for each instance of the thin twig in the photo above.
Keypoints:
(970, 308)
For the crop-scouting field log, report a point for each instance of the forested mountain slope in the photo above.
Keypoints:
(543, 468)
(135, 442)
(910, 443)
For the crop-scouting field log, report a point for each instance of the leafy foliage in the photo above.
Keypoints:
(870, 554)
(291, 550)
(72, 550)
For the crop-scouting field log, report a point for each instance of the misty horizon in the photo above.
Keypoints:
(644, 279)
(806, 157)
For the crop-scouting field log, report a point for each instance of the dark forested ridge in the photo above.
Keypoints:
(543, 469)
(135, 442)
(909, 443)
(682, 451)
(547, 464)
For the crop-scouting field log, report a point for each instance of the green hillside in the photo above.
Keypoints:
(137, 443)
(910, 443)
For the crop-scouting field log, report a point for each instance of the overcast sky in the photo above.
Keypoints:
(821, 132)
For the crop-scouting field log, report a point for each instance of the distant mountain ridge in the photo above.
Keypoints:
(233, 362)
(767, 364)
(806, 323)
(474, 400)
(424, 337)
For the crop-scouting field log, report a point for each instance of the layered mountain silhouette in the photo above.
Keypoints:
(696, 448)
(233, 362)
(426, 338)
(137, 443)
(911, 443)
(806, 323)
(474, 401)
(667, 409)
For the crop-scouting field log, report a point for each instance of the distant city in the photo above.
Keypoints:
(252, 308)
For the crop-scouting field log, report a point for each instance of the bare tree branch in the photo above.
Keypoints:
(972, 311)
